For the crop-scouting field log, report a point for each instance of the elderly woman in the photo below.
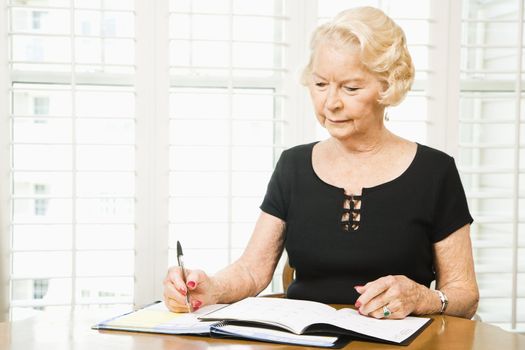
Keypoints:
(366, 217)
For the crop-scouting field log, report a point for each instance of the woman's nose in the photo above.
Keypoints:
(333, 100)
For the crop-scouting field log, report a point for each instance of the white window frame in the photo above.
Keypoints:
(5, 174)
(152, 182)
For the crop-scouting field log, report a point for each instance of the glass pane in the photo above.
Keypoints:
(250, 183)
(42, 157)
(199, 158)
(42, 21)
(252, 158)
(210, 27)
(213, 103)
(96, 288)
(106, 4)
(254, 29)
(39, 130)
(209, 260)
(105, 210)
(105, 184)
(253, 55)
(42, 264)
(49, 290)
(105, 158)
(256, 6)
(199, 132)
(48, 183)
(41, 49)
(101, 263)
(42, 210)
(105, 131)
(253, 133)
(199, 184)
(246, 209)
(41, 102)
(199, 235)
(105, 236)
(105, 104)
(42, 237)
(195, 210)
(243, 104)
(107, 24)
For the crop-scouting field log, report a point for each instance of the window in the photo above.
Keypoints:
(121, 144)
(227, 97)
(73, 147)
(491, 154)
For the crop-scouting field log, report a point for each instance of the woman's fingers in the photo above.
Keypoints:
(398, 293)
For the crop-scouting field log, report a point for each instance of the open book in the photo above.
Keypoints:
(307, 317)
(156, 318)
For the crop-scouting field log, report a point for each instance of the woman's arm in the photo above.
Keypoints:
(247, 276)
(455, 277)
(253, 271)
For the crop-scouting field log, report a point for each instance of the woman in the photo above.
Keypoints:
(367, 217)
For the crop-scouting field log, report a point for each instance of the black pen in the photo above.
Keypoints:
(181, 265)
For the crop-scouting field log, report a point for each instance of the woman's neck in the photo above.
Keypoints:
(364, 146)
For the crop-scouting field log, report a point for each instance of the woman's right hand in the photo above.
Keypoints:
(198, 285)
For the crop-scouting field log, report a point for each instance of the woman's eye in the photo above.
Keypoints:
(320, 84)
(351, 89)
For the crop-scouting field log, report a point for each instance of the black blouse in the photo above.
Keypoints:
(388, 230)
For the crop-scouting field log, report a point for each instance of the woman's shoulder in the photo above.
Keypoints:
(299, 152)
(433, 154)
(433, 160)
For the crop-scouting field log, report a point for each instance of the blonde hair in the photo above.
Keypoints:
(382, 48)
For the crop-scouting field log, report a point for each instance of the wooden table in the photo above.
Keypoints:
(68, 331)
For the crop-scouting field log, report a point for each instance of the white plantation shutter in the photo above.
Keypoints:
(491, 154)
(127, 125)
(72, 153)
(228, 99)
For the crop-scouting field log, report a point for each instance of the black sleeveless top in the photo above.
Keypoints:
(390, 230)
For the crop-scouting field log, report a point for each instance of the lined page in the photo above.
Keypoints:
(391, 330)
(294, 315)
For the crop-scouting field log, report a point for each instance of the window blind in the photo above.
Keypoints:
(491, 154)
(227, 102)
(72, 123)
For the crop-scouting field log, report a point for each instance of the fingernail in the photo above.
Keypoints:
(358, 286)
(358, 304)
(183, 292)
(191, 284)
(196, 304)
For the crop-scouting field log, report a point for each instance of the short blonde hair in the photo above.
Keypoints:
(382, 48)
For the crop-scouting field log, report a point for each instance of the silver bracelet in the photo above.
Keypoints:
(444, 300)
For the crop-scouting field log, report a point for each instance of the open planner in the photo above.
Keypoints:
(276, 320)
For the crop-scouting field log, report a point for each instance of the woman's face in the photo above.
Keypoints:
(344, 93)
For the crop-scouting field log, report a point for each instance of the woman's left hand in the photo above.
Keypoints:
(399, 294)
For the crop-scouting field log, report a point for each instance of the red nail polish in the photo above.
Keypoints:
(183, 292)
(191, 284)
(196, 304)
(358, 304)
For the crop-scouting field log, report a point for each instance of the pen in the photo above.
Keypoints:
(181, 265)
